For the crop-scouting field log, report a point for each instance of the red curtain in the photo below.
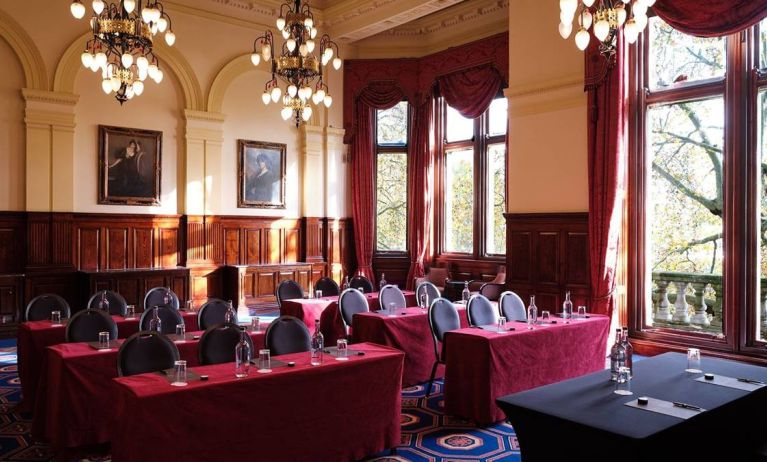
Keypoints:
(711, 18)
(607, 119)
(420, 186)
(471, 91)
(378, 95)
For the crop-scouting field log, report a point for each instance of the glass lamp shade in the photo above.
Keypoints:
(101, 59)
(87, 59)
(565, 30)
(292, 90)
(286, 113)
(280, 23)
(276, 92)
(266, 53)
(127, 60)
(310, 45)
(582, 39)
(588, 3)
(129, 5)
(328, 100)
(602, 29)
(170, 38)
(631, 31)
(142, 63)
(266, 97)
(585, 19)
(255, 58)
(291, 44)
(162, 24)
(568, 6)
(115, 82)
(337, 63)
(158, 76)
(309, 23)
(106, 85)
(306, 114)
(138, 87)
(303, 49)
(98, 6)
(77, 9)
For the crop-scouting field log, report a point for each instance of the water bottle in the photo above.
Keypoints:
(103, 302)
(629, 350)
(532, 313)
(466, 293)
(242, 357)
(155, 323)
(230, 315)
(318, 343)
(346, 282)
(567, 307)
(166, 298)
(383, 281)
(617, 356)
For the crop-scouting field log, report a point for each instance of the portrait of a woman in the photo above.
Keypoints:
(129, 160)
(262, 170)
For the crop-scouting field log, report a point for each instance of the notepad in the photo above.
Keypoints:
(730, 382)
(664, 407)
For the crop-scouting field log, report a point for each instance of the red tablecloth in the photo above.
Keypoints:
(307, 309)
(340, 411)
(34, 336)
(75, 396)
(484, 365)
(409, 333)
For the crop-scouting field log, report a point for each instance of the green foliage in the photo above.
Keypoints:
(459, 201)
(391, 200)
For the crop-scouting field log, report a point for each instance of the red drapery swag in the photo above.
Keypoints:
(471, 91)
(379, 95)
(711, 18)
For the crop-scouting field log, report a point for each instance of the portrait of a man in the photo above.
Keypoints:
(261, 172)
(129, 166)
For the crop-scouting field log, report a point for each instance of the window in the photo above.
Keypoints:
(696, 184)
(391, 178)
(474, 181)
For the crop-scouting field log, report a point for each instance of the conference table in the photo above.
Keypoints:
(582, 419)
(406, 330)
(326, 310)
(75, 395)
(34, 336)
(482, 365)
(338, 411)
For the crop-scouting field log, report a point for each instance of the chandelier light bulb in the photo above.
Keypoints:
(565, 29)
(309, 23)
(101, 59)
(291, 44)
(142, 63)
(266, 53)
(306, 114)
(127, 60)
(316, 98)
(639, 9)
(146, 14)
(568, 6)
(337, 63)
(588, 3)
(328, 100)
(142, 74)
(94, 65)
(620, 11)
(649, 3)
(320, 94)
(129, 92)
(115, 82)
(77, 9)
(582, 39)
(170, 38)
(565, 17)
(266, 97)
(285, 34)
(310, 45)
(286, 113)
(152, 70)
(153, 28)
(162, 26)
(602, 29)
(281, 23)
(159, 76)
(87, 59)
(129, 6)
(631, 31)
(276, 92)
(106, 85)
(255, 58)
(329, 52)
(641, 21)
(292, 90)
(585, 19)
(138, 88)
(303, 49)
(98, 6)
(313, 33)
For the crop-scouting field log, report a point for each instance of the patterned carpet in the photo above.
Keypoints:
(427, 434)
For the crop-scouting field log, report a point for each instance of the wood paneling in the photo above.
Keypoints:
(12, 238)
(548, 255)
(255, 286)
(133, 284)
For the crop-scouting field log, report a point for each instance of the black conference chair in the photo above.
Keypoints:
(362, 283)
(287, 334)
(328, 287)
(431, 291)
(218, 342)
(170, 319)
(288, 290)
(212, 312)
(117, 304)
(156, 297)
(391, 294)
(144, 352)
(512, 307)
(351, 302)
(491, 290)
(480, 311)
(40, 307)
(85, 326)
(443, 317)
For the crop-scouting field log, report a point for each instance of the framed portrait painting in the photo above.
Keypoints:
(129, 166)
(261, 174)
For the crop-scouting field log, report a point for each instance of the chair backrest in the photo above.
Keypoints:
(351, 302)
(145, 352)
(156, 297)
(327, 286)
(491, 290)
(480, 311)
(443, 317)
(117, 304)
(211, 313)
(362, 283)
(170, 319)
(40, 307)
(431, 291)
(85, 326)
(512, 307)
(287, 334)
(218, 342)
(391, 294)
(287, 290)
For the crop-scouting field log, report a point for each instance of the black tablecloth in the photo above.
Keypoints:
(583, 417)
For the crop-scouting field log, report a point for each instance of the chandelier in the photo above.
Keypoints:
(121, 47)
(607, 17)
(295, 65)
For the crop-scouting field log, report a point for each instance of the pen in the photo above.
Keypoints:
(687, 406)
(751, 381)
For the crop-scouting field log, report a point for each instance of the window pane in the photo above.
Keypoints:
(498, 117)
(458, 127)
(496, 199)
(761, 307)
(459, 201)
(391, 195)
(763, 44)
(677, 57)
(684, 215)
(392, 125)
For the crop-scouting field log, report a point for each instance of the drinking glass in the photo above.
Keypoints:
(264, 361)
(623, 384)
(104, 339)
(317, 294)
(582, 312)
(342, 350)
(130, 312)
(392, 309)
(693, 361)
(255, 324)
(545, 317)
(424, 301)
(56, 317)
(181, 331)
(189, 306)
(502, 324)
(179, 373)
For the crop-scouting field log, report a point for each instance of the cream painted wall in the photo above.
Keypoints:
(547, 160)
(11, 131)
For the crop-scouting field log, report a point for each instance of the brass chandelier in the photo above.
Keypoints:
(121, 47)
(295, 65)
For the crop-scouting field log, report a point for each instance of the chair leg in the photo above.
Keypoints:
(431, 378)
